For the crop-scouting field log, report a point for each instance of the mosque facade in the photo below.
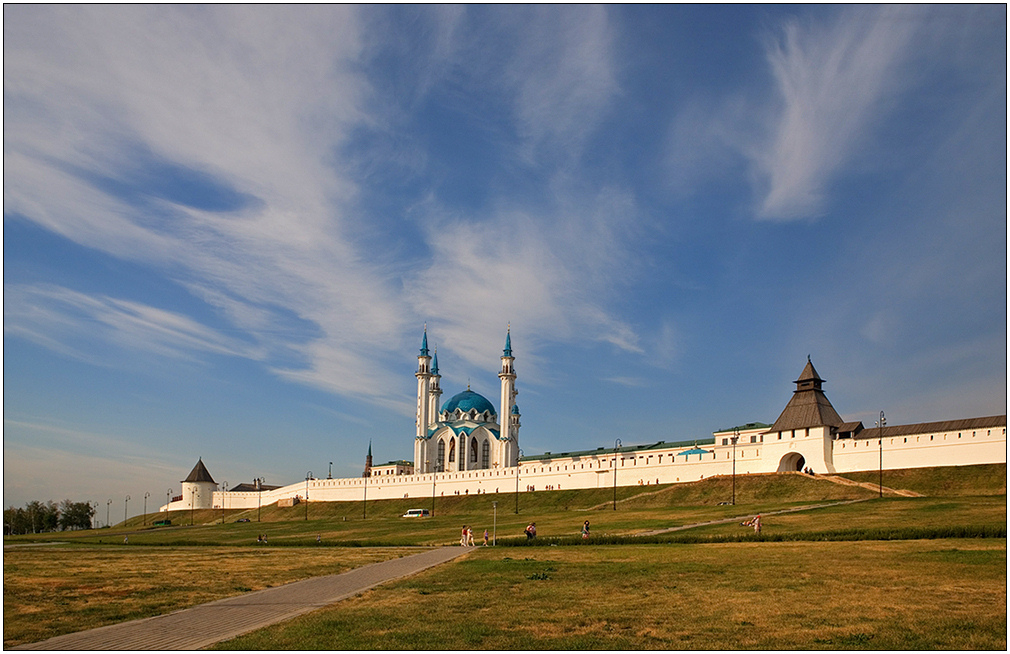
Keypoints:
(468, 445)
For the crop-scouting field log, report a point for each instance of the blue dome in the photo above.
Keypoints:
(468, 400)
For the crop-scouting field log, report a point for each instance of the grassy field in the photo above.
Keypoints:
(944, 482)
(77, 580)
(54, 590)
(863, 595)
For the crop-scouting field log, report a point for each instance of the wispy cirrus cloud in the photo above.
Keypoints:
(833, 83)
(207, 144)
(73, 322)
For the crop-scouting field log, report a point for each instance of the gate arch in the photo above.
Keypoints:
(793, 461)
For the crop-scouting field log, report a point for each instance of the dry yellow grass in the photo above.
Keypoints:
(948, 594)
(50, 591)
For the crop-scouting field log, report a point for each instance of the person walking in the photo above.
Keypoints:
(585, 529)
(485, 538)
(469, 536)
(462, 536)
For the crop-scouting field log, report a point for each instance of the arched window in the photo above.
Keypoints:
(440, 462)
(462, 450)
(473, 450)
(452, 450)
(485, 455)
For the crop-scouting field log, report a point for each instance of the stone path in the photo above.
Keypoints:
(206, 624)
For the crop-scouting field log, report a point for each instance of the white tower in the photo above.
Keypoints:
(508, 453)
(423, 375)
(434, 391)
(198, 488)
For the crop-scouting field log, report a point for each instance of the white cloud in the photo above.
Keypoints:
(63, 319)
(258, 101)
(834, 82)
(564, 75)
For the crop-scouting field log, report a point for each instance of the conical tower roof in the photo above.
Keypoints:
(199, 473)
(809, 406)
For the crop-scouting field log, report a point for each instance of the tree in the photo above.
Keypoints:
(75, 515)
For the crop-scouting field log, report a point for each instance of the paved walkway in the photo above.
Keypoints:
(206, 624)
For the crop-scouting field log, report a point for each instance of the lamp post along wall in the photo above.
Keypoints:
(308, 476)
(735, 438)
(880, 444)
(518, 464)
(617, 446)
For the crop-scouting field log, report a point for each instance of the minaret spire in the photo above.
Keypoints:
(508, 447)
(424, 415)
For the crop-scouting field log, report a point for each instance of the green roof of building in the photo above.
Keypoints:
(604, 451)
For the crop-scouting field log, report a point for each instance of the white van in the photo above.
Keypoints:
(416, 513)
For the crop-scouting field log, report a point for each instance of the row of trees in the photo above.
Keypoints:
(37, 517)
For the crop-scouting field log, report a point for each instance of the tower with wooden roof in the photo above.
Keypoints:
(198, 488)
(803, 432)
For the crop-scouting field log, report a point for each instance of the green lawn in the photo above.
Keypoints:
(862, 595)
(778, 595)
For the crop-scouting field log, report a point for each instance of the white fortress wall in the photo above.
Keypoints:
(954, 448)
(651, 466)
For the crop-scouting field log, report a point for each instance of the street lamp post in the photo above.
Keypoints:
(494, 529)
(735, 438)
(519, 462)
(126, 507)
(107, 523)
(617, 445)
(146, 495)
(168, 500)
(426, 462)
(880, 444)
(259, 496)
(308, 476)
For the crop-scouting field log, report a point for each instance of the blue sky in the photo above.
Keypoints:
(225, 227)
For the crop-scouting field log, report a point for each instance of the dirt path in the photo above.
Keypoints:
(721, 521)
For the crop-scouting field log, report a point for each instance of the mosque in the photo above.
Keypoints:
(469, 445)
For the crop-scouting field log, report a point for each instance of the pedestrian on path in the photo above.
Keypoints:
(485, 538)
(469, 536)
(462, 537)
(585, 529)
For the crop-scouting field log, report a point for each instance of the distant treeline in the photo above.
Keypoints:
(38, 517)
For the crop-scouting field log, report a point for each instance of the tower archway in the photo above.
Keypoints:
(791, 462)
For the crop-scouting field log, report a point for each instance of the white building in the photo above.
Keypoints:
(467, 432)
(469, 446)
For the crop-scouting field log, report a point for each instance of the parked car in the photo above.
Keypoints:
(416, 513)
(242, 520)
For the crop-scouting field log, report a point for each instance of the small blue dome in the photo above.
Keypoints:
(468, 400)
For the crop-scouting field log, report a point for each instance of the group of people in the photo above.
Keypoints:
(466, 537)
(753, 522)
(262, 538)
(808, 471)
(531, 531)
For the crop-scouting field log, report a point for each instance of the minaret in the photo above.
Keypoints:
(509, 443)
(434, 390)
(423, 375)
(368, 461)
